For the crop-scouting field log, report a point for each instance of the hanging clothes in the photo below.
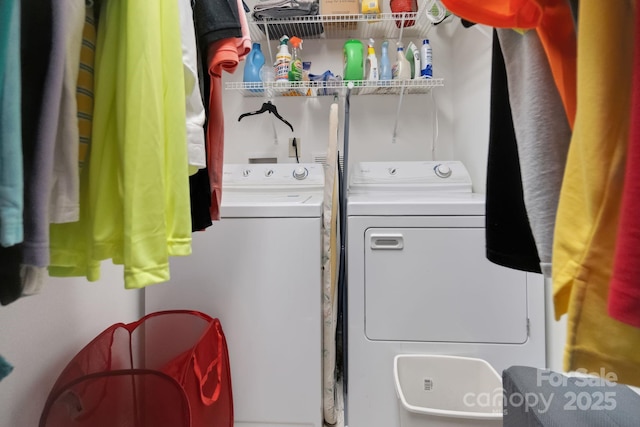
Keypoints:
(589, 207)
(214, 20)
(509, 241)
(65, 193)
(243, 42)
(11, 161)
(194, 107)
(552, 20)
(223, 55)
(138, 169)
(11, 177)
(542, 134)
(36, 27)
(624, 292)
(70, 242)
(38, 189)
(85, 83)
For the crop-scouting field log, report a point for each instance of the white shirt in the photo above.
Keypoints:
(195, 108)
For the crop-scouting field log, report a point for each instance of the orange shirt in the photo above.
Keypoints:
(552, 20)
(223, 55)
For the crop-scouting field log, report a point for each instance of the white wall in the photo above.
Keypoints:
(41, 333)
(372, 117)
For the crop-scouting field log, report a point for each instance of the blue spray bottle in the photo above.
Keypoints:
(385, 64)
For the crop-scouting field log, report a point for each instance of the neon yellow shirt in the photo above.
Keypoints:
(138, 184)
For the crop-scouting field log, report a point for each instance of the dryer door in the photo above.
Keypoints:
(435, 284)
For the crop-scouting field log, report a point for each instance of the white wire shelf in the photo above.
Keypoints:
(330, 88)
(384, 25)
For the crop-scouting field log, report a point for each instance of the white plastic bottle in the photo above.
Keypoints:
(401, 68)
(283, 61)
(426, 60)
(371, 70)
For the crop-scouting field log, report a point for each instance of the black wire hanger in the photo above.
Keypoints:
(269, 108)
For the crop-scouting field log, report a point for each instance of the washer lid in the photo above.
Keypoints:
(272, 190)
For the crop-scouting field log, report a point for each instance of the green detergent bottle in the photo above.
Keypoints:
(353, 60)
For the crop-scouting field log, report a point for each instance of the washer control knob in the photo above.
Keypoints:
(268, 172)
(443, 171)
(246, 172)
(300, 173)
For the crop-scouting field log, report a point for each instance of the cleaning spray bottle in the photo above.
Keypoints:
(283, 60)
(371, 68)
(401, 69)
(385, 63)
(296, 69)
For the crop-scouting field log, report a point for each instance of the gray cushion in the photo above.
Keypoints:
(536, 397)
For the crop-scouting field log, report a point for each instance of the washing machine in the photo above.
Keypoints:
(419, 283)
(258, 270)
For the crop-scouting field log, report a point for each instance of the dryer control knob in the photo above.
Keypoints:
(443, 171)
(246, 172)
(268, 172)
(300, 173)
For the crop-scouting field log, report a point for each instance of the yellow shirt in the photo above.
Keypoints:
(589, 205)
(139, 187)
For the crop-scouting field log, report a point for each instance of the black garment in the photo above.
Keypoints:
(10, 282)
(216, 20)
(574, 4)
(200, 200)
(36, 28)
(508, 235)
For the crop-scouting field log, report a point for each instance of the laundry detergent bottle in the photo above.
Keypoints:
(353, 60)
(385, 63)
(253, 65)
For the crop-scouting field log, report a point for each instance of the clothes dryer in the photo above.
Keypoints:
(419, 282)
(259, 271)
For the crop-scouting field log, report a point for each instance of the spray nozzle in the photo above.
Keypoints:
(370, 49)
(284, 39)
(296, 42)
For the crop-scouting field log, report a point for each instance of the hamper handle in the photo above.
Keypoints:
(215, 363)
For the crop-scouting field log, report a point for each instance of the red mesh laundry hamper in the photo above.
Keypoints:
(168, 369)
